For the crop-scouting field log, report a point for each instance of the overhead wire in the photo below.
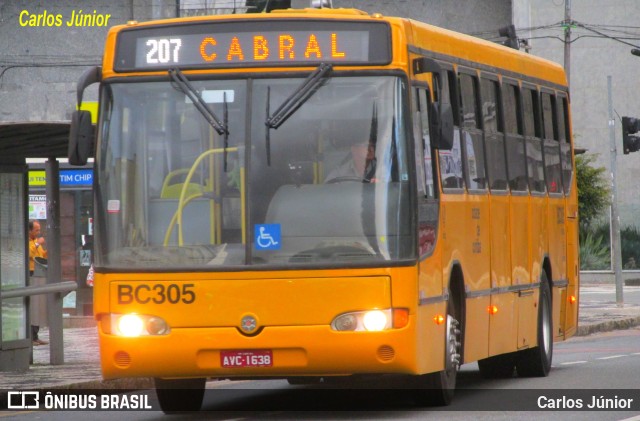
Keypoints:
(618, 33)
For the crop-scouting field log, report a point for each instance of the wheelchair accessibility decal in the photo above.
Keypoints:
(267, 237)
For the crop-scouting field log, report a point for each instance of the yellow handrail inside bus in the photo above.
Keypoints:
(167, 234)
(182, 201)
(172, 191)
(242, 204)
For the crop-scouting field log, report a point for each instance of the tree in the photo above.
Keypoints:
(594, 191)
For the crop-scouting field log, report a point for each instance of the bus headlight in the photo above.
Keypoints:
(371, 321)
(375, 321)
(134, 325)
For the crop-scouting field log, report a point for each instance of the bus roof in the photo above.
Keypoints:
(460, 48)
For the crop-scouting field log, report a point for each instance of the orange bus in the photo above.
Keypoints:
(310, 194)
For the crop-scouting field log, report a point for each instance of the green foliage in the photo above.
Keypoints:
(594, 193)
(593, 200)
(630, 239)
(597, 229)
(595, 252)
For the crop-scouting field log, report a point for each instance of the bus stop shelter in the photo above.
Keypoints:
(19, 141)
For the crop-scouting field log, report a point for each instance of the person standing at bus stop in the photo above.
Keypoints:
(38, 309)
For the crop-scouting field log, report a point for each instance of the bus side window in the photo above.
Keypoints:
(451, 171)
(471, 133)
(565, 142)
(424, 162)
(493, 134)
(551, 145)
(516, 158)
(535, 163)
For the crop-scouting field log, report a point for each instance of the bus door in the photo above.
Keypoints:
(537, 223)
(519, 204)
(503, 326)
(430, 280)
(475, 246)
(556, 206)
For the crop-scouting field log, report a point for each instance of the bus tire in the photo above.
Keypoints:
(437, 389)
(498, 367)
(536, 362)
(179, 395)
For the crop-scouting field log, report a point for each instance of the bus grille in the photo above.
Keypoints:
(386, 353)
(122, 359)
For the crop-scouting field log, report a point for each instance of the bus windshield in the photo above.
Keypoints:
(328, 187)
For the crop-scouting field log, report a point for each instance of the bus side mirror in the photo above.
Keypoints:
(440, 114)
(80, 138)
(81, 132)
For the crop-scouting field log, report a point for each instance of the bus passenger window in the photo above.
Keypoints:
(423, 145)
(516, 158)
(565, 142)
(493, 135)
(451, 174)
(551, 145)
(535, 163)
(471, 134)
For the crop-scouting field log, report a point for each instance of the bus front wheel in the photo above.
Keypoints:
(179, 395)
(437, 389)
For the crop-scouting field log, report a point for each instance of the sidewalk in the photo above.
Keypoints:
(598, 313)
(81, 368)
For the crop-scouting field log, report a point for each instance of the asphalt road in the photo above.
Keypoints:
(604, 367)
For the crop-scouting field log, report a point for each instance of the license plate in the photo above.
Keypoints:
(246, 358)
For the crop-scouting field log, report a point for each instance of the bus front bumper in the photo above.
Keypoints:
(274, 352)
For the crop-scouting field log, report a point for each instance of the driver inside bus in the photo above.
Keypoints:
(358, 165)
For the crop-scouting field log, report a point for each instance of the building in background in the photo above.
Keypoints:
(601, 36)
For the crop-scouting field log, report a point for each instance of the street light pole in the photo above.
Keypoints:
(616, 244)
(567, 39)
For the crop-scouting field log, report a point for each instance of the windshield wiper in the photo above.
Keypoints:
(298, 97)
(185, 86)
(225, 125)
(294, 101)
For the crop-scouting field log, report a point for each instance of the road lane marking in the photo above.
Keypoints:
(12, 414)
(611, 357)
(574, 362)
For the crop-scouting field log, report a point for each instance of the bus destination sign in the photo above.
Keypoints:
(262, 43)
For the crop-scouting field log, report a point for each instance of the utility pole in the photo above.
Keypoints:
(567, 39)
(616, 245)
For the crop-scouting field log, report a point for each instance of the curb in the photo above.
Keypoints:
(71, 322)
(130, 383)
(584, 330)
